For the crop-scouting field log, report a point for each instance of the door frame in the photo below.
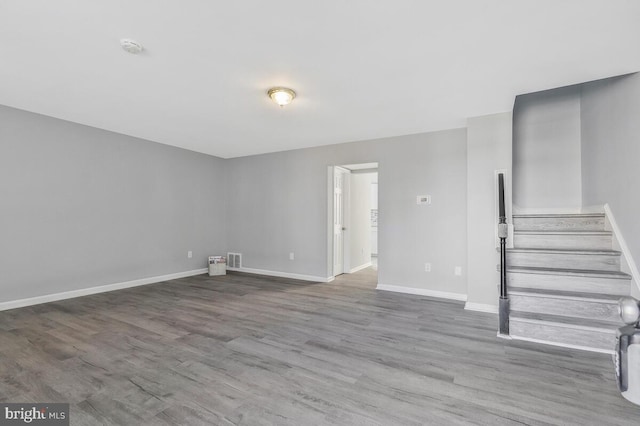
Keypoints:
(346, 211)
(347, 264)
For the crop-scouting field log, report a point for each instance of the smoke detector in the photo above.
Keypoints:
(131, 46)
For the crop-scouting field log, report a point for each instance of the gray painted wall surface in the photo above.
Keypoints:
(83, 207)
(611, 152)
(488, 149)
(277, 203)
(360, 218)
(546, 150)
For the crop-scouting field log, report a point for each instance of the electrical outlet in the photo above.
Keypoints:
(427, 267)
(189, 254)
(458, 270)
(291, 256)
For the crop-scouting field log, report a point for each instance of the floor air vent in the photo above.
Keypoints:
(234, 260)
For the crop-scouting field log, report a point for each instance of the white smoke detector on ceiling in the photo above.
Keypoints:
(131, 46)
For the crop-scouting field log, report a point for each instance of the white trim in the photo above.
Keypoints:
(346, 221)
(624, 248)
(13, 304)
(291, 275)
(364, 171)
(563, 345)
(481, 307)
(330, 230)
(360, 268)
(422, 292)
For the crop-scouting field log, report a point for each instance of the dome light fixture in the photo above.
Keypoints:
(281, 95)
(131, 46)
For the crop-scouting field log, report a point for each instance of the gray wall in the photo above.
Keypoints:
(83, 207)
(360, 218)
(611, 151)
(277, 203)
(546, 150)
(488, 149)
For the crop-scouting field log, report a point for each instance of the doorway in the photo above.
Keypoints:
(341, 183)
(353, 219)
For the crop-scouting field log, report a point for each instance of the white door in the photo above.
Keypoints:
(339, 176)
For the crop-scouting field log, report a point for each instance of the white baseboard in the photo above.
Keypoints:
(481, 307)
(422, 292)
(13, 304)
(563, 345)
(283, 274)
(360, 268)
(624, 248)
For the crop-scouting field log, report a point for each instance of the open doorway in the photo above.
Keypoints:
(353, 220)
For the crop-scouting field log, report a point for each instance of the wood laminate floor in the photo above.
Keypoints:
(251, 350)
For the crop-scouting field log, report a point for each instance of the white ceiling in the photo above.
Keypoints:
(362, 68)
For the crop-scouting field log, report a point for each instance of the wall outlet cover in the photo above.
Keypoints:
(189, 254)
(423, 200)
(427, 267)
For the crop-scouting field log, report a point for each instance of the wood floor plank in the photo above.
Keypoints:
(244, 349)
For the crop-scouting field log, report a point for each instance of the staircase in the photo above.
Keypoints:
(564, 281)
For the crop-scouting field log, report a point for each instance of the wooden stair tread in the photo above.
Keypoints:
(574, 272)
(558, 215)
(568, 322)
(565, 251)
(578, 232)
(563, 294)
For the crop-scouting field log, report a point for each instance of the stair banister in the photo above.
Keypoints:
(503, 232)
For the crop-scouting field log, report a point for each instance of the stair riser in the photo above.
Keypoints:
(569, 283)
(558, 224)
(551, 241)
(566, 261)
(566, 307)
(560, 335)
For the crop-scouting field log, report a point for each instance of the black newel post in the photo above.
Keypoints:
(503, 232)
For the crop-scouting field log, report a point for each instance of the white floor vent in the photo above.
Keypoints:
(234, 261)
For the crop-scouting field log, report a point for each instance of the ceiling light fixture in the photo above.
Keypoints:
(281, 95)
(131, 46)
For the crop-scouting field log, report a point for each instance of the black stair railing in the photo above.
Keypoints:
(503, 232)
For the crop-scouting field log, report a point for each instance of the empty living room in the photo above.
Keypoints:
(320, 213)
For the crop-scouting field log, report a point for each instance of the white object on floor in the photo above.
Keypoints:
(633, 390)
(217, 265)
(217, 269)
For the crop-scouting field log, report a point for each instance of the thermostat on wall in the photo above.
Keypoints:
(423, 199)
